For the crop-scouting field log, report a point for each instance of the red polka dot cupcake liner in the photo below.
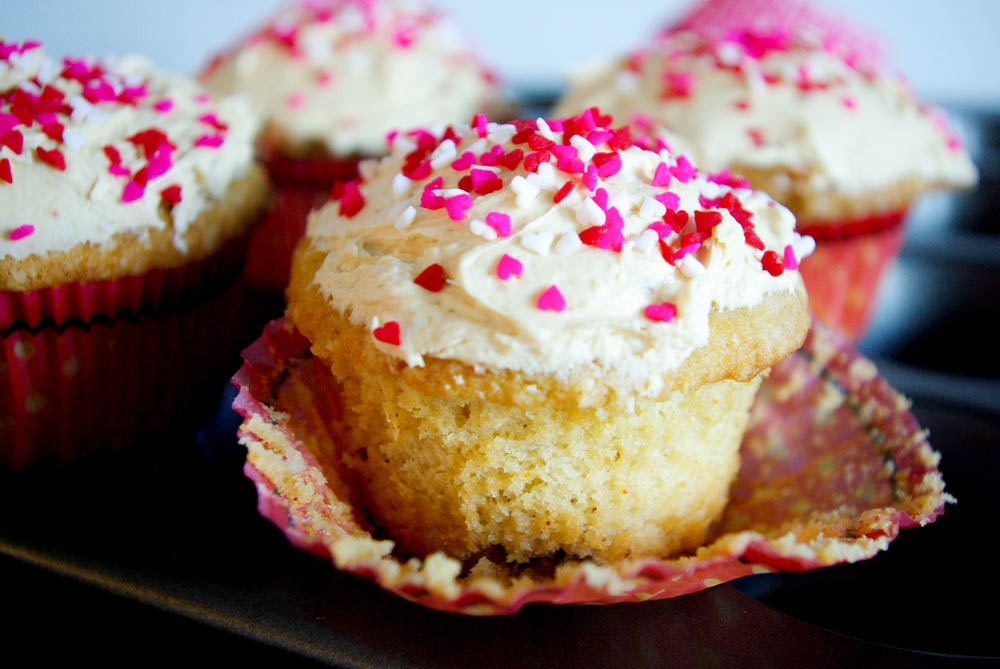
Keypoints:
(93, 367)
(300, 185)
(833, 466)
(844, 273)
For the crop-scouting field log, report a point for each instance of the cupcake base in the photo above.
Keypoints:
(813, 487)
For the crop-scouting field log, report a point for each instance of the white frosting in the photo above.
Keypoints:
(801, 108)
(84, 202)
(483, 320)
(344, 74)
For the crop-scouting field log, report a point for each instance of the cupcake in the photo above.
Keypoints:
(330, 79)
(546, 338)
(125, 199)
(802, 106)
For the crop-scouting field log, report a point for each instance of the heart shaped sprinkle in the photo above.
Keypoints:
(508, 266)
(551, 300)
(388, 333)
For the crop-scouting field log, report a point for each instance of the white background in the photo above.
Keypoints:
(950, 49)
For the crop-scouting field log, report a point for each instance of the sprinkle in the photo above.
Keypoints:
(584, 149)
(705, 221)
(771, 264)
(210, 141)
(132, 191)
(551, 300)
(509, 266)
(5, 173)
(661, 177)
(467, 160)
(690, 267)
(683, 171)
(21, 232)
(53, 131)
(53, 158)
(608, 236)
(388, 333)
(432, 278)
(499, 222)
(13, 140)
(850, 103)
(405, 218)
(149, 141)
(539, 242)
(571, 166)
(789, 259)
(590, 178)
(352, 201)
(401, 185)
(568, 244)
(171, 194)
(118, 170)
(485, 182)
(661, 313)
(443, 154)
(202, 98)
(563, 192)
(73, 139)
(671, 201)
(599, 137)
(661, 229)
(526, 191)
(479, 123)
(456, 205)
(590, 212)
(164, 105)
(756, 136)
(478, 227)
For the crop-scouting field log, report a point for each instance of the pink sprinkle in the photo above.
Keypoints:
(21, 232)
(561, 151)
(789, 259)
(464, 162)
(572, 166)
(599, 137)
(683, 171)
(660, 228)
(850, 103)
(690, 248)
(482, 177)
(610, 168)
(551, 300)
(210, 141)
(727, 179)
(202, 98)
(324, 79)
(132, 192)
(671, 201)
(590, 178)
(679, 84)
(479, 122)
(164, 105)
(661, 177)
(663, 313)
(456, 206)
(428, 200)
(159, 162)
(499, 222)
(119, 170)
(388, 333)
(586, 120)
(213, 120)
(509, 266)
(296, 100)
(404, 37)
(601, 198)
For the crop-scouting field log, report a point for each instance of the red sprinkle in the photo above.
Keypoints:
(21, 232)
(352, 201)
(388, 333)
(53, 131)
(663, 313)
(551, 300)
(171, 194)
(13, 140)
(771, 263)
(705, 221)
(509, 266)
(210, 141)
(5, 173)
(432, 278)
(563, 192)
(54, 158)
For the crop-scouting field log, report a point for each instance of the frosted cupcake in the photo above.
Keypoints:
(801, 105)
(330, 79)
(547, 338)
(125, 197)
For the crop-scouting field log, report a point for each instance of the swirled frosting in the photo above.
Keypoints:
(91, 149)
(548, 247)
(342, 73)
(777, 85)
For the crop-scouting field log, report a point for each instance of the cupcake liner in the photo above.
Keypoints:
(833, 465)
(300, 185)
(843, 274)
(82, 301)
(78, 389)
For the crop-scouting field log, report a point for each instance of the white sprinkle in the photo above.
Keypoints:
(568, 244)
(710, 189)
(437, 129)
(30, 87)
(584, 149)
(404, 219)
(73, 139)
(48, 70)
(691, 267)
(481, 228)
(526, 191)
(478, 147)
(647, 242)
(401, 185)
(729, 53)
(443, 154)
(544, 130)
(544, 178)
(403, 144)
(652, 210)
(539, 242)
(803, 247)
(590, 213)
(501, 134)
(621, 201)
(488, 168)
(448, 192)
(20, 60)
(627, 82)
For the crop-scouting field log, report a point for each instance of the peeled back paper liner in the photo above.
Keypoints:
(833, 465)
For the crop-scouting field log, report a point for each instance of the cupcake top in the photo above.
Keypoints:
(91, 151)
(775, 85)
(337, 75)
(560, 248)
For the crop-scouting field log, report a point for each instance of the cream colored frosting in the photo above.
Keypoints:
(483, 320)
(804, 108)
(50, 209)
(342, 74)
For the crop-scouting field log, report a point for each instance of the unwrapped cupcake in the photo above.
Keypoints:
(546, 338)
(125, 199)
(801, 105)
(330, 79)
